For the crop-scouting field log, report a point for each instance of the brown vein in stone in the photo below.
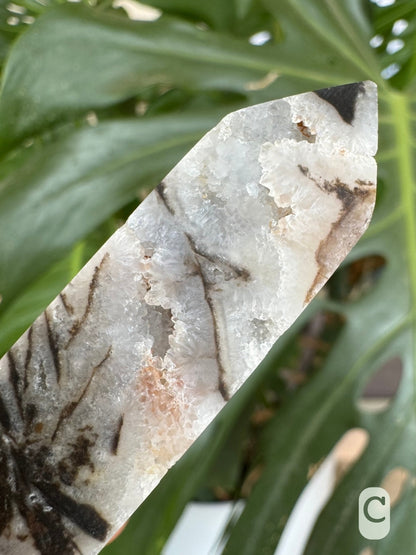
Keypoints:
(161, 190)
(83, 515)
(68, 307)
(218, 261)
(68, 410)
(6, 507)
(116, 437)
(53, 346)
(77, 326)
(49, 533)
(238, 272)
(4, 416)
(222, 387)
(46, 528)
(29, 481)
(31, 412)
(28, 356)
(15, 381)
(349, 199)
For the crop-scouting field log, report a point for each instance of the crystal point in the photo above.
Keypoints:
(129, 364)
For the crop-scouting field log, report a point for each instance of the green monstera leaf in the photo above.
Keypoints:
(95, 109)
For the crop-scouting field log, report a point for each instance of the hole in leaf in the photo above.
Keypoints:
(352, 281)
(367, 551)
(399, 27)
(382, 386)
(92, 119)
(394, 483)
(349, 449)
(314, 343)
(394, 46)
(13, 20)
(202, 26)
(141, 108)
(15, 8)
(262, 83)
(383, 3)
(376, 41)
(391, 70)
(250, 481)
(323, 478)
(260, 38)
(137, 11)
(27, 143)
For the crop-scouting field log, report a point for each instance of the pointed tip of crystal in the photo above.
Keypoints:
(343, 98)
(356, 105)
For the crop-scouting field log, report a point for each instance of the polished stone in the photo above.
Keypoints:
(137, 355)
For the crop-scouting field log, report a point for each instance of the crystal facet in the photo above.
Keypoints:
(136, 356)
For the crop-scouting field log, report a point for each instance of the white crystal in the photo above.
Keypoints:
(141, 350)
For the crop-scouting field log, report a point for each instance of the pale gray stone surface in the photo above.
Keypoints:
(141, 350)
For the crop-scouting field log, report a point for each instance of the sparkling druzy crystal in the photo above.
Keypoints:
(134, 358)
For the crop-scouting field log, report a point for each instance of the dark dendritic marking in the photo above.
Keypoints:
(6, 506)
(345, 194)
(31, 412)
(4, 416)
(31, 479)
(77, 325)
(236, 271)
(228, 271)
(53, 346)
(68, 410)
(208, 281)
(349, 198)
(68, 307)
(222, 386)
(219, 264)
(29, 482)
(343, 98)
(116, 437)
(79, 456)
(161, 190)
(39, 492)
(28, 357)
(82, 514)
(14, 379)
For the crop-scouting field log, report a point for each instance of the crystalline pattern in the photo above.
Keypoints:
(141, 350)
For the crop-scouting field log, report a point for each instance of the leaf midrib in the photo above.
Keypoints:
(401, 108)
(323, 34)
(355, 39)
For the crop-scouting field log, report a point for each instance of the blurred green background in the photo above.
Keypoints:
(95, 108)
